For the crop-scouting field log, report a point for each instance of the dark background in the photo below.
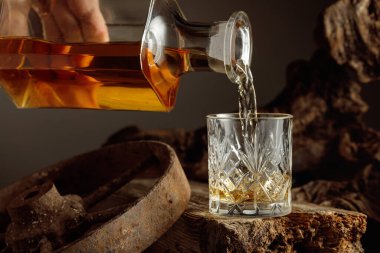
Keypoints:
(282, 32)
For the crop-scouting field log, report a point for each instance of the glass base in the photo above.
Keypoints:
(250, 209)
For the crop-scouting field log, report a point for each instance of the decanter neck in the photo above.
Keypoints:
(217, 46)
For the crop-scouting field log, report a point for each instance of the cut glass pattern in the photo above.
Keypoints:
(250, 176)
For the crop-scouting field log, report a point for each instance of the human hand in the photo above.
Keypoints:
(69, 21)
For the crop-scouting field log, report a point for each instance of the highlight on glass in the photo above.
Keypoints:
(250, 168)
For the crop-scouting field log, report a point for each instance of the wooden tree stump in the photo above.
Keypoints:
(309, 228)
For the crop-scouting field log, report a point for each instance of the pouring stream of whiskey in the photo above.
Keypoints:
(247, 101)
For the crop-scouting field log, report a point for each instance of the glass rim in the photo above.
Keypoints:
(260, 115)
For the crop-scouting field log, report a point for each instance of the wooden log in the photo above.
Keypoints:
(309, 228)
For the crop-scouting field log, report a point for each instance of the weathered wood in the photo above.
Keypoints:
(352, 29)
(190, 146)
(360, 195)
(36, 217)
(309, 228)
(357, 195)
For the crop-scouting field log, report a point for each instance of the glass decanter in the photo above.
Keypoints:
(110, 54)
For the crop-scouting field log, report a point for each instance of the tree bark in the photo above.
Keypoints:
(309, 228)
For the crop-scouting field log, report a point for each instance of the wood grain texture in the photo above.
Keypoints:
(309, 228)
(64, 208)
(352, 29)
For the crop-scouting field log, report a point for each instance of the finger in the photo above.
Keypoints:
(14, 18)
(50, 27)
(92, 22)
(59, 53)
(66, 21)
(13, 22)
